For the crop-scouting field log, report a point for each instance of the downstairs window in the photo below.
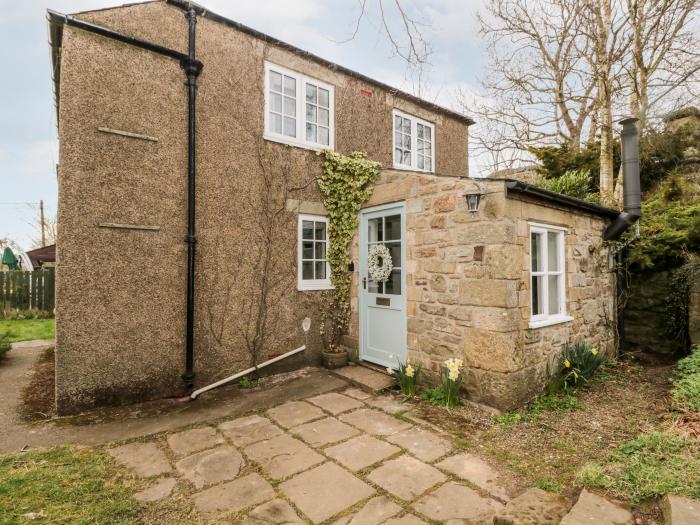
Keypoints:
(547, 276)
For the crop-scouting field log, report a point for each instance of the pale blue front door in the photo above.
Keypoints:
(383, 304)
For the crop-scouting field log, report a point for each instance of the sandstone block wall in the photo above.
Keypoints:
(469, 284)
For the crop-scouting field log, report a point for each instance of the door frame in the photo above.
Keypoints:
(400, 207)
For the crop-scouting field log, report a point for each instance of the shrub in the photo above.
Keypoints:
(575, 183)
(447, 394)
(4, 343)
(407, 375)
(686, 386)
(579, 362)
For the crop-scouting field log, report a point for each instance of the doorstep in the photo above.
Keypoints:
(365, 376)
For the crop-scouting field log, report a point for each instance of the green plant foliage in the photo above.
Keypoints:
(5, 344)
(407, 375)
(677, 302)
(574, 183)
(346, 183)
(579, 362)
(555, 161)
(246, 383)
(669, 228)
(447, 393)
(686, 386)
(649, 466)
(28, 330)
(507, 420)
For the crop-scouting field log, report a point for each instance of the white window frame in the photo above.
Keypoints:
(414, 142)
(312, 284)
(546, 319)
(301, 82)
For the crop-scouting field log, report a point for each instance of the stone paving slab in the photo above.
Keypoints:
(246, 430)
(408, 519)
(275, 512)
(324, 432)
(387, 403)
(144, 459)
(361, 452)
(453, 501)
(233, 496)
(406, 477)
(325, 491)
(425, 445)
(475, 470)
(294, 413)
(160, 489)
(191, 441)
(211, 466)
(533, 507)
(357, 393)
(375, 422)
(372, 380)
(374, 512)
(283, 456)
(335, 403)
(678, 510)
(591, 508)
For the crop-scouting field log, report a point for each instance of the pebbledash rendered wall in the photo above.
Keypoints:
(121, 292)
(469, 284)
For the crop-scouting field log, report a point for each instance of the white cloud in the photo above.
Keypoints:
(454, 20)
(39, 159)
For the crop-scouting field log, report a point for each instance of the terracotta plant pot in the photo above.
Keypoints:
(334, 359)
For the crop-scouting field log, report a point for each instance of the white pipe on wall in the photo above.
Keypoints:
(194, 394)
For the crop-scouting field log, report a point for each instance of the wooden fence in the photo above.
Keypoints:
(27, 290)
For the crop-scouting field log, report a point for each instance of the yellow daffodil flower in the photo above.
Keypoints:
(409, 371)
(459, 363)
(594, 351)
(567, 363)
(389, 371)
(453, 375)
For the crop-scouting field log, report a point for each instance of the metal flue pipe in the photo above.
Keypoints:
(630, 182)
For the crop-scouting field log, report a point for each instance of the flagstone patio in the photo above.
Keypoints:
(338, 458)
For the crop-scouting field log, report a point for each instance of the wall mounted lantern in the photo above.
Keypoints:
(473, 201)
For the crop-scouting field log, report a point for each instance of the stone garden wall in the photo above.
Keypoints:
(468, 284)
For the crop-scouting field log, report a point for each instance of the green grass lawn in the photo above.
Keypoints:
(28, 329)
(64, 485)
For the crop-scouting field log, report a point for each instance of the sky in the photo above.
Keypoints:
(28, 143)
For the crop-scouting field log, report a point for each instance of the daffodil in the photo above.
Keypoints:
(453, 375)
(389, 370)
(459, 363)
(567, 363)
(575, 375)
(409, 371)
(594, 351)
(408, 360)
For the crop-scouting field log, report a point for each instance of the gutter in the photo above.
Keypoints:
(559, 198)
(192, 68)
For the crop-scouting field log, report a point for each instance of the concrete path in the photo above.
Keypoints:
(121, 423)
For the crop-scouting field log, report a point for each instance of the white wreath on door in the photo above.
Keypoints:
(379, 272)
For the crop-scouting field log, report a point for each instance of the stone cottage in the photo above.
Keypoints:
(165, 104)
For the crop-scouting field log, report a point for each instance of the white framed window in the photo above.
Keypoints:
(547, 276)
(314, 271)
(414, 143)
(299, 110)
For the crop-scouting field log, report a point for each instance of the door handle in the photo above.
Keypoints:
(364, 283)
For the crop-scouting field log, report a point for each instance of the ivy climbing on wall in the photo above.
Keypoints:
(346, 183)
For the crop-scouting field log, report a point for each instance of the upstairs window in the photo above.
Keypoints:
(298, 109)
(314, 270)
(414, 143)
(547, 276)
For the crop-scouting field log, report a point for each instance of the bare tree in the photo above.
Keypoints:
(664, 57)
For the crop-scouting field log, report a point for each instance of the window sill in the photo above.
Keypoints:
(314, 287)
(410, 168)
(295, 143)
(549, 321)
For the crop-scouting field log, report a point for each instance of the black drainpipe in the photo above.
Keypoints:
(192, 68)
